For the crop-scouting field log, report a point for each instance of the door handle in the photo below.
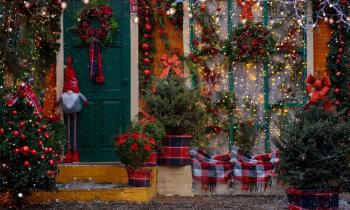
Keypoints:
(125, 82)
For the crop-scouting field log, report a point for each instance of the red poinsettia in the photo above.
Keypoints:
(134, 148)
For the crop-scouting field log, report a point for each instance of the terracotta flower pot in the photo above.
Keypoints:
(139, 177)
(325, 198)
(152, 160)
(176, 150)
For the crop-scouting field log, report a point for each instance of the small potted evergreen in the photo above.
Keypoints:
(315, 148)
(133, 149)
(153, 129)
(176, 107)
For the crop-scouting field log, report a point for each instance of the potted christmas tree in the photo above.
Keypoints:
(153, 129)
(133, 149)
(176, 107)
(315, 148)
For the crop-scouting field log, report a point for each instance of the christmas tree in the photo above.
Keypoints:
(315, 148)
(29, 148)
(175, 105)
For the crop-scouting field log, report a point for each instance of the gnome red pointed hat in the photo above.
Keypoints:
(70, 79)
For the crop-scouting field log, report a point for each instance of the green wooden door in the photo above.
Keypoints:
(109, 104)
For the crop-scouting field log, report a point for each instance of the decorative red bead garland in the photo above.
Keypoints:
(146, 43)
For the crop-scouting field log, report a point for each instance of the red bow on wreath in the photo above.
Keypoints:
(170, 63)
(317, 88)
(246, 6)
(25, 90)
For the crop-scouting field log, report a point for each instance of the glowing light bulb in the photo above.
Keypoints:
(86, 1)
(63, 5)
(136, 19)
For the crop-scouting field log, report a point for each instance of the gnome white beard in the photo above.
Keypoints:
(71, 102)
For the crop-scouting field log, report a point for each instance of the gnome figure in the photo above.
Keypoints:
(72, 102)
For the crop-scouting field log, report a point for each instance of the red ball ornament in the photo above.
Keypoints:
(17, 151)
(148, 27)
(338, 60)
(46, 150)
(57, 1)
(146, 36)
(337, 102)
(25, 150)
(42, 157)
(30, 104)
(26, 164)
(146, 72)
(23, 137)
(338, 73)
(33, 152)
(44, 127)
(203, 7)
(40, 143)
(146, 54)
(340, 50)
(21, 124)
(336, 90)
(15, 134)
(344, 1)
(51, 162)
(2, 131)
(145, 47)
(14, 112)
(47, 135)
(38, 130)
(50, 150)
(146, 61)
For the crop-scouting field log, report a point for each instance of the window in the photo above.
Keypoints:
(264, 89)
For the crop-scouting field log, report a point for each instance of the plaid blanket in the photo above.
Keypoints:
(253, 173)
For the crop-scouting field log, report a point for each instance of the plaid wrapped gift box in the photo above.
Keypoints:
(210, 170)
(253, 173)
(176, 150)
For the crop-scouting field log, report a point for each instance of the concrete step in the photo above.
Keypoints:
(89, 182)
(97, 173)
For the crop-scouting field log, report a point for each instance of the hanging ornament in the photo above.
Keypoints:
(146, 72)
(145, 47)
(15, 134)
(26, 164)
(25, 150)
(148, 27)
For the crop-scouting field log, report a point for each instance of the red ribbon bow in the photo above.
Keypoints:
(317, 88)
(25, 90)
(170, 63)
(246, 6)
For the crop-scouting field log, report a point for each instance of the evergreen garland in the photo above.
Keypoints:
(29, 33)
(338, 62)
